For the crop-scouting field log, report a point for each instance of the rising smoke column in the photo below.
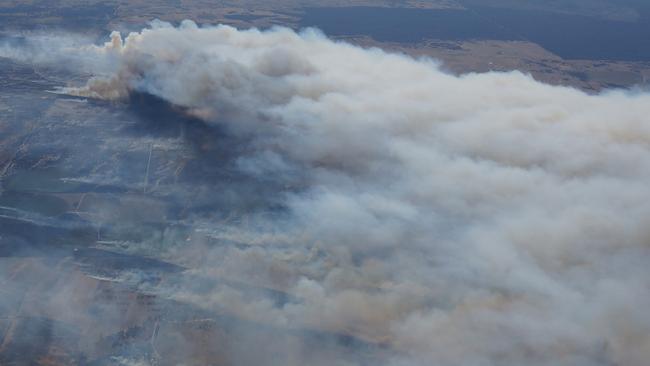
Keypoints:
(483, 219)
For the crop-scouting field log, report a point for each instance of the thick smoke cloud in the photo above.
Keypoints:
(483, 219)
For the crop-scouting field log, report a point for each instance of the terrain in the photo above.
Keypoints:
(79, 281)
(98, 198)
(593, 69)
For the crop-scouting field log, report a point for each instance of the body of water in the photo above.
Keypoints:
(569, 36)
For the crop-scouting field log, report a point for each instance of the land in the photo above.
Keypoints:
(458, 56)
(94, 199)
(94, 196)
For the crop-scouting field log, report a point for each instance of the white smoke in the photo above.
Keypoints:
(485, 219)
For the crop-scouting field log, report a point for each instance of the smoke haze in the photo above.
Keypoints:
(482, 219)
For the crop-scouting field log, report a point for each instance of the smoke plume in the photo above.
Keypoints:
(482, 219)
